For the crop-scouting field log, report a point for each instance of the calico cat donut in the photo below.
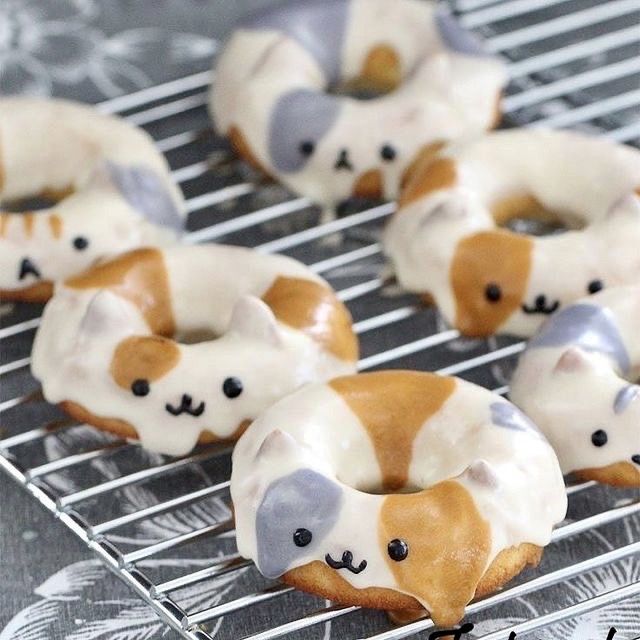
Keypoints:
(395, 490)
(574, 381)
(188, 344)
(445, 241)
(272, 94)
(111, 191)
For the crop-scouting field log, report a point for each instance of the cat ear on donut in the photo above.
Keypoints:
(572, 360)
(107, 314)
(251, 318)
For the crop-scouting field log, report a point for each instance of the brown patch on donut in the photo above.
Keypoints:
(314, 309)
(139, 276)
(421, 160)
(28, 223)
(317, 578)
(143, 358)
(126, 430)
(437, 175)
(39, 292)
(381, 70)
(619, 474)
(369, 185)
(55, 225)
(449, 544)
(393, 425)
(522, 205)
(243, 149)
(4, 223)
(55, 194)
(489, 257)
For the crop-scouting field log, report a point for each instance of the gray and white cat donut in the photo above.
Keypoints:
(271, 92)
(446, 239)
(111, 191)
(396, 490)
(127, 345)
(576, 381)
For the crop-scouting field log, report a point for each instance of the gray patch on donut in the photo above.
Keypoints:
(304, 499)
(587, 326)
(319, 27)
(456, 37)
(145, 192)
(299, 116)
(625, 397)
(508, 416)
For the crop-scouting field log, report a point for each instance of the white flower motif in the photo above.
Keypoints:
(44, 42)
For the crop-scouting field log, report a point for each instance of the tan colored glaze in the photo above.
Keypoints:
(381, 70)
(28, 222)
(39, 292)
(421, 161)
(55, 225)
(439, 174)
(449, 544)
(315, 310)
(4, 223)
(369, 185)
(126, 430)
(139, 276)
(241, 146)
(393, 425)
(522, 205)
(316, 577)
(143, 358)
(619, 474)
(489, 257)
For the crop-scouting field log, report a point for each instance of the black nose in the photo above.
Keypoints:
(27, 267)
(343, 161)
(541, 301)
(347, 557)
(187, 400)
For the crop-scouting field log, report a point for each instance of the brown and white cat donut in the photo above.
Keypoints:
(576, 380)
(272, 94)
(445, 241)
(188, 344)
(110, 188)
(395, 490)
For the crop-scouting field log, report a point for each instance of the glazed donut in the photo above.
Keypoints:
(573, 380)
(272, 92)
(188, 344)
(395, 490)
(111, 187)
(444, 240)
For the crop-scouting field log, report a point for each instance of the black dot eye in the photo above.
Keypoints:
(232, 387)
(80, 243)
(307, 148)
(594, 286)
(599, 438)
(398, 550)
(492, 292)
(302, 537)
(387, 153)
(140, 387)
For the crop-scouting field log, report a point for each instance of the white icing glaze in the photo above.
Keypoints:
(573, 398)
(53, 145)
(213, 289)
(315, 429)
(444, 95)
(582, 179)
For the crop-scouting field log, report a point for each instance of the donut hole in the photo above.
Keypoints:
(46, 199)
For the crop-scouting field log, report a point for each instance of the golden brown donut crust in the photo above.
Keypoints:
(619, 474)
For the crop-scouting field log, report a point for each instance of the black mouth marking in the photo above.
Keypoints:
(541, 306)
(636, 458)
(343, 161)
(27, 267)
(185, 407)
(345, 563)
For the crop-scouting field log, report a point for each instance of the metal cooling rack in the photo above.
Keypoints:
(573, 63)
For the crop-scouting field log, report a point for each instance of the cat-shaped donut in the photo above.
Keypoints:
(575, 379)
(444, 239)
(395, 490)
(188, 344)
(272, 97)
(111, 191)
